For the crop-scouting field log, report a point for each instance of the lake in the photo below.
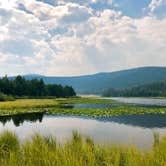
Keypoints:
(140, 101)
(121, 130)
(94, 106)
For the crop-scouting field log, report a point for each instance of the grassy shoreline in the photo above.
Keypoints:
(53, 106)
(107, 112)
(78, 151)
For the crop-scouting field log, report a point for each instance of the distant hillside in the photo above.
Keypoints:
(156, 89)
(98, 83)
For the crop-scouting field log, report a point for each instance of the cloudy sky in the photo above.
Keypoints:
(76, 37)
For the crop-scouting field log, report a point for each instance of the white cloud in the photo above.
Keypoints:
(71, 39)
(111, 42)
(157, 8)
(154, 4)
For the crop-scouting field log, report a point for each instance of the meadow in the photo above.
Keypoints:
(78, 151)
(55, 106)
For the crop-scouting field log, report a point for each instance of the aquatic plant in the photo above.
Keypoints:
(107, 112)
(53, 106)
(79, 151)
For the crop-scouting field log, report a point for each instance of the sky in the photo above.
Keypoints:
(80, 37)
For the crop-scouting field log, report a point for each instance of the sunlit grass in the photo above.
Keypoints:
(53, 106)
(85, 100)
(79, 151)
(28, 103)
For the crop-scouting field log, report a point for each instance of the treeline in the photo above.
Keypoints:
(33, 88)
(157, 89)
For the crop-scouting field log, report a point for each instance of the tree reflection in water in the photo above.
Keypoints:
(21, 118)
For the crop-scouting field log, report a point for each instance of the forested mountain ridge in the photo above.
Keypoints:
(98, 83)
(156, 89)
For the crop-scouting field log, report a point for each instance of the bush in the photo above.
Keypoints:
(4, 97)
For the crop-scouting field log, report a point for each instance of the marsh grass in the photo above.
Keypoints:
(28, 103)
(79, 151)
(84, 100)
(27, 106)
(54, 106)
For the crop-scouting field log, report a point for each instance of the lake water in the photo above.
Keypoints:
(140, 101)
(122, 130)
(94, 106)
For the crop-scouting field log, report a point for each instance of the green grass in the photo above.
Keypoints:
(84, 100)
(79, 151)
(39, 105)
(27, 106)
(53, 106)
(28, 103)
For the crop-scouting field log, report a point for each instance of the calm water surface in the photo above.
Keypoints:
(97, 106)
(140, 101)
(123, 130)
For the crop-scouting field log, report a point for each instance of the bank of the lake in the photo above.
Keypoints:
(51, 117)
(122, 130)
(56, 106)
(77, 151)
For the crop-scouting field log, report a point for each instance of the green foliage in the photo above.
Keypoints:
(4, 97)
(54, 106)
(157, 89)
(79, 151)
(34, 88)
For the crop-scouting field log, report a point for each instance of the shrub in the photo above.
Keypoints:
(4, 97)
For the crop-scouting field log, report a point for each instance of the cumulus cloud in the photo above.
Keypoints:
(155, 3)
(111, 41)
(158, 8)
(70, 37)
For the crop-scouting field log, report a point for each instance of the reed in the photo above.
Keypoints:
(54, 106)
(79, 151)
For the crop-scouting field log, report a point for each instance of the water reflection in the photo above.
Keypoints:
(89, 105)
(143, 120)
(19, 119)
(140, 101)
(123, 130)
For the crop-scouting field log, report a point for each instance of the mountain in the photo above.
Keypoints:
(98, 83)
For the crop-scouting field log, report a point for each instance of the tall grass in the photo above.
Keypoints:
(28, 103)
(27, 106)
(78, 151)
(54, 106)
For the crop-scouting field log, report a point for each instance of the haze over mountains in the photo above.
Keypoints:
(97, 83)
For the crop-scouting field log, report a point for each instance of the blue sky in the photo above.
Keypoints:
(77, 37)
